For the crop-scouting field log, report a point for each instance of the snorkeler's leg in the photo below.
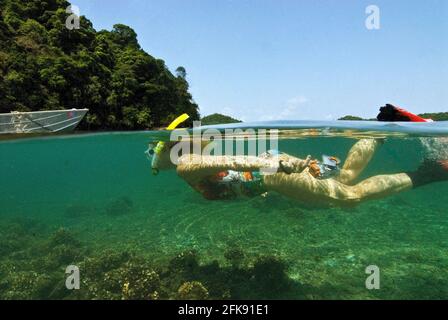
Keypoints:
(381, 186)
(304, 187)
(357, 159)
(430, 170)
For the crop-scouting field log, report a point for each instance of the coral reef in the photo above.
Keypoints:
(192, 291)
(39, 272)
(235, 255)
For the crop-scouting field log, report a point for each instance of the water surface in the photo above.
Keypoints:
(83, 199)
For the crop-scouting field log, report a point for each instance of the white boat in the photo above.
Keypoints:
(38, 122)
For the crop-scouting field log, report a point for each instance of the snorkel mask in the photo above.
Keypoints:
(153, 152)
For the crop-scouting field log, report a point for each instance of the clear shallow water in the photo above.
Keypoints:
(100, 191)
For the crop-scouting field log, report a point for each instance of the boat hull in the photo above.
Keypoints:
(52, 121)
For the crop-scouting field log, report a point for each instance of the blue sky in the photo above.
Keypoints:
(294, 59)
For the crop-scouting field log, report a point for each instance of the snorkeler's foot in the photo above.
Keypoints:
(430, 171)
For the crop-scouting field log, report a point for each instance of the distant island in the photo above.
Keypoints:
(46, 66)
(217, 118)
(436, 116)
(354, 118)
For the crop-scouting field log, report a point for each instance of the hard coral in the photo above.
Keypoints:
(193, 290)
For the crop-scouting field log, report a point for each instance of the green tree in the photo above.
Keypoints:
(181, 72)
(44, 65)
(124, 36)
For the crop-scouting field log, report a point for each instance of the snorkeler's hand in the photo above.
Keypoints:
(294, 165)
(314, 169)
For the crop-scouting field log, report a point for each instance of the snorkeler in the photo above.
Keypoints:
(307, 180)
(226, 177)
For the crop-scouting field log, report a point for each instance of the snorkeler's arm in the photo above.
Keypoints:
(197, 167)
(194, 168)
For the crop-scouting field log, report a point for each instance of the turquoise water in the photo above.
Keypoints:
(91, 201)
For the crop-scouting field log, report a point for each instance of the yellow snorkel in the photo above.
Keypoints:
(161, 144)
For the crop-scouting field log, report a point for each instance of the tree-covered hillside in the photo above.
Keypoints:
(436, 116)
(44, 65)
(217, 118)
(349, 117)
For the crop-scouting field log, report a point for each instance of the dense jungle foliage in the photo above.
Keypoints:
(44, 66)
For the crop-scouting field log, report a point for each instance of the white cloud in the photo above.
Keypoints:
(290, 110)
